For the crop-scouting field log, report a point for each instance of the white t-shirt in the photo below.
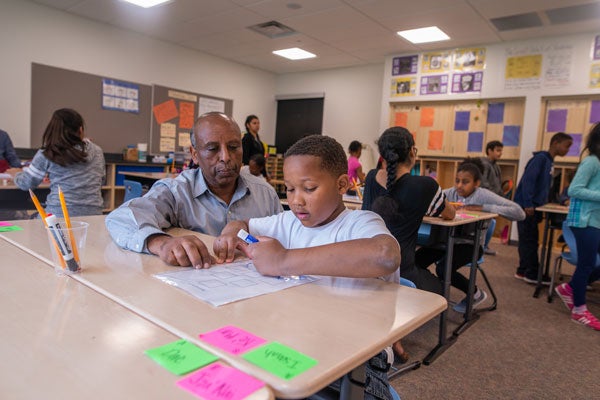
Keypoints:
(349, 225)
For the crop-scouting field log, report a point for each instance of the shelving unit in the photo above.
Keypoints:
(275, 169)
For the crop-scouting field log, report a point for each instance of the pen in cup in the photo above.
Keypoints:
(248, 238)
(62, 242)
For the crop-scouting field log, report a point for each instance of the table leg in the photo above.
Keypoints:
(470, 317)
(444, 342)
(538, 286)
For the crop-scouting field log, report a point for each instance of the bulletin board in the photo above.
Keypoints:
(53, 88)
(174, 112)
(462, 128)
(574, 116)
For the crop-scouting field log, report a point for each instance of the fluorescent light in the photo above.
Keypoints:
(294, 53)
(424, 35)
(146, 3)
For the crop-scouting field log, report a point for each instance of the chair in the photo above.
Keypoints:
(568, 253)
(133, 189)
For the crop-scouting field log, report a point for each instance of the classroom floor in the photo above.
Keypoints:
(526, 349)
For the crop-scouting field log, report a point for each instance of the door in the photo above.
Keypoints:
(297, 118)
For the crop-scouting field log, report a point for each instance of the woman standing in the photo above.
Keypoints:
(71, 162)
(251, 143)
(584, 220)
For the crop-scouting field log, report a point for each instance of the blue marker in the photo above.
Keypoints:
(246, 237)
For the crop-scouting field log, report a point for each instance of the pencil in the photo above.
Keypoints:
(42, 213)
(63, 206)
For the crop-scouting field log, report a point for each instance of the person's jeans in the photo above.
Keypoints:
(528, 246)
(489, 233)
(588, 248)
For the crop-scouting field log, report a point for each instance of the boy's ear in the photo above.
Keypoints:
(343, 183)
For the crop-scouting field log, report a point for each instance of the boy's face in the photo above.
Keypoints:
(562, 148)
(314, 195)
(495, 154)
(465, 183)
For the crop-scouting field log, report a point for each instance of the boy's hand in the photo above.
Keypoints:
(268, 256)
(184, 251)
(224, 247)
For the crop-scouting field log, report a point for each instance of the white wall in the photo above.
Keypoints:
(34, 33)
(352, 103)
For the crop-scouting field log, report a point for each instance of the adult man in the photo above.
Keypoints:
(491, 179)
(203, 199)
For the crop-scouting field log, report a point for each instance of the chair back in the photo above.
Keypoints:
(133, 189)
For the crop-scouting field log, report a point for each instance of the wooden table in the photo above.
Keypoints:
(462, 218)
(546, 250)
(313, 318)
(61, 339)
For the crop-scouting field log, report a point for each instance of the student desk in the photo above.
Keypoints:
(472, 217)
(61, 339)
(549, 210)
(146, 178)
(13, 198)
(312, 318)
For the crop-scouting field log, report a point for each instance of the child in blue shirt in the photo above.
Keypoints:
(318, 231)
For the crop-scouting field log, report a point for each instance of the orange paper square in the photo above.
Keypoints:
(436, 138)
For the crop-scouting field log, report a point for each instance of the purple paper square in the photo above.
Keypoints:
(510, 135)
(461, 120)
(557, 120)
(495, 113)
(475, 142)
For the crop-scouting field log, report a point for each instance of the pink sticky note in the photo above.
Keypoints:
(3, 223)
(220, 382)
(232, 339)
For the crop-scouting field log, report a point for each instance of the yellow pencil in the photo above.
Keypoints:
(43, 215)
(63, 206)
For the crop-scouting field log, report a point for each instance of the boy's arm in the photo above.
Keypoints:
(360, 258)
(224, 246)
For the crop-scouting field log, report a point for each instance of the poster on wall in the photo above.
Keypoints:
(120, 96)
(206, 104)
(595, 76)
(469, 58)
(596, 50)
(436, 62)
(523, 72)
(407, 65)
(434, 84)
(558, 59)
(403, 86)
(467, 82)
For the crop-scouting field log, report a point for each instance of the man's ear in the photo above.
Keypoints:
(194, 154)
(343, 183)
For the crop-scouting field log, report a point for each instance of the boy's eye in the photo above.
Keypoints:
(289, 190)
(311, 189)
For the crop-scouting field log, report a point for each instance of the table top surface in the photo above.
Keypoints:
(462, 218)
(553, 208)
(74, 342)
(313, 319)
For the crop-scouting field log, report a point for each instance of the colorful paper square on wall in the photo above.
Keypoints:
(511, 135)
(435, 140)
(475, 142)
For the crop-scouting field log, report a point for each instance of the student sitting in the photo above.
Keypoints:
(318, 235)
(256, 166)
(468, 192)
(71, 162)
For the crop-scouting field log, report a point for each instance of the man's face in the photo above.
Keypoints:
(218, 151)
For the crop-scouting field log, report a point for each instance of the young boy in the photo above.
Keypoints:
(256, 166)
(318, 232)
(532, 191)
(491, 179)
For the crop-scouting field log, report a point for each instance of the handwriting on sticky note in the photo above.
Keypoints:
(232, 339)
(181, 357)
(280, 360)
(220, 382)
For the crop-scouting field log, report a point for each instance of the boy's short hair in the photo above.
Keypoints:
(492, 145)
(258, 159)
(331, 153)
(474, 166)
(560, 137)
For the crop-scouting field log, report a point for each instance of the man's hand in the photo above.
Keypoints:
(183, 251)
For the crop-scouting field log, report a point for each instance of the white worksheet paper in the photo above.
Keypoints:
(226, 283)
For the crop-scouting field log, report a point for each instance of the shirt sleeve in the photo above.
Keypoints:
(528, 181)
(133, 222)
(33, 175)
(438, 203)
(10, 154)
(579, 185)
(499, 205)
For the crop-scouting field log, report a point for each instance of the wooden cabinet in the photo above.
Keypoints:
(275, 170)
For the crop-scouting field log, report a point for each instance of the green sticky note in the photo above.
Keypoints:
(280, 360)
(181, 357)
(10, 228)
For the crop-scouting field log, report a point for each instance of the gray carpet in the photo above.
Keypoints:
(526, 349)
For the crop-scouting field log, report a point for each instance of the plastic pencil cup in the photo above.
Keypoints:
(67, 245)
